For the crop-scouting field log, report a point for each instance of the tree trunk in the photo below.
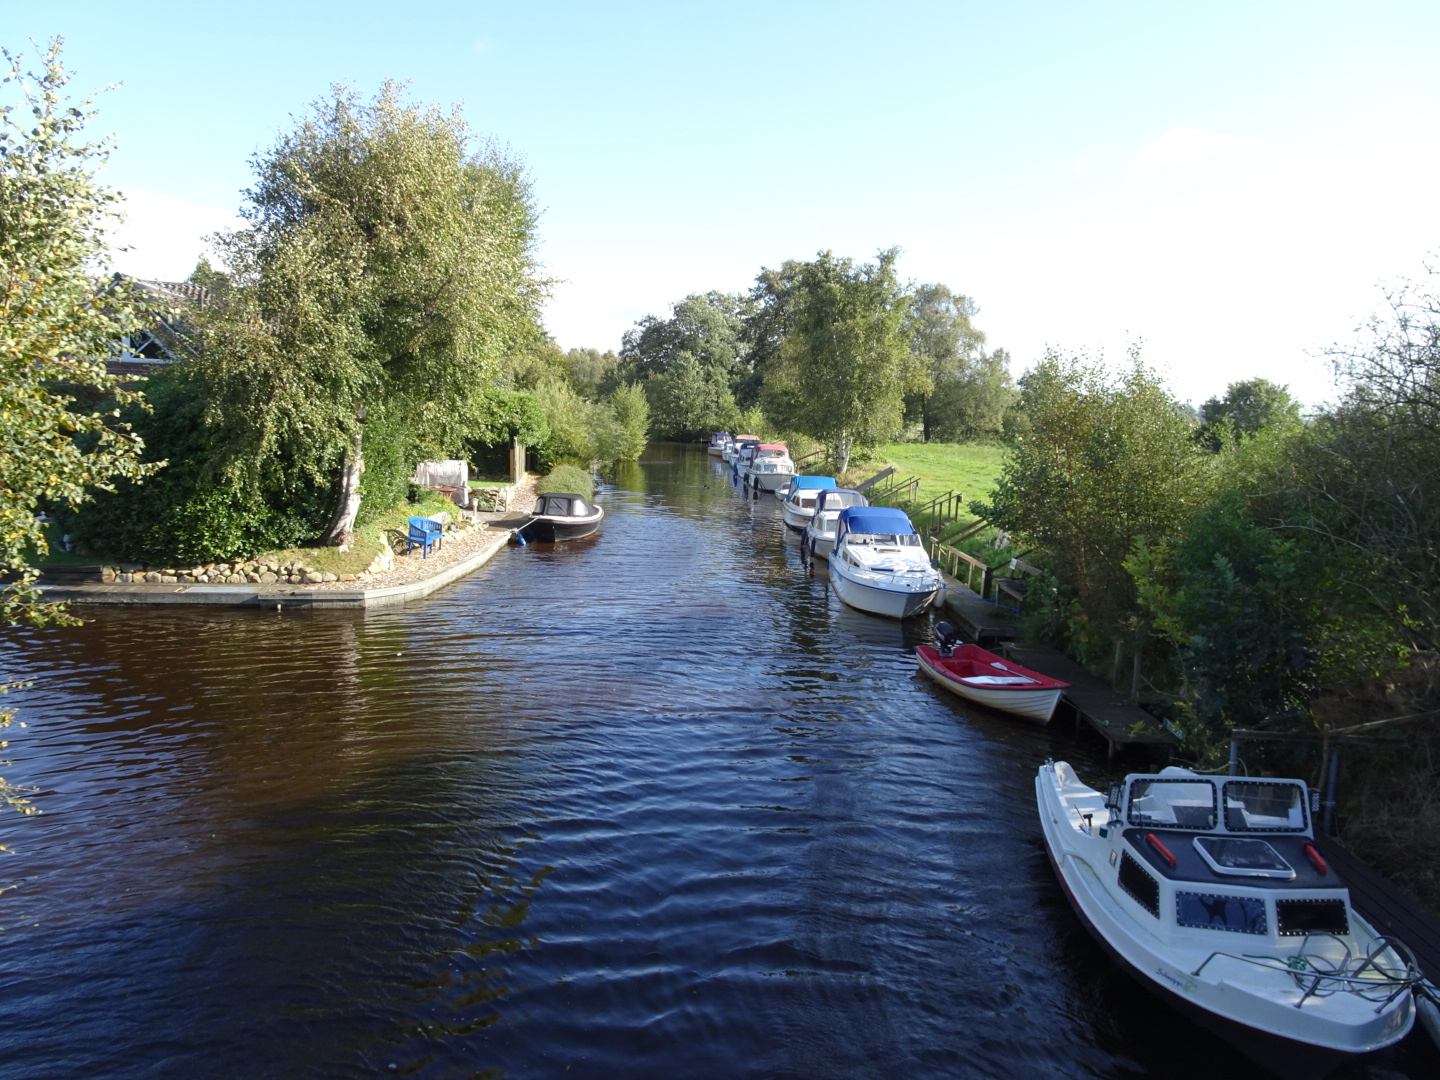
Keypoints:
(842, 454)
(341, 530)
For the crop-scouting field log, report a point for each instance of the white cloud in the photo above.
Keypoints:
(1184, 144)
(165, 236)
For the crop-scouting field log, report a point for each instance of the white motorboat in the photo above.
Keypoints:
(1212, 893)
(879, 564)
(744, 454)
(804, 493)
(731, 451)
(769, 468)
(821, 529)
(718, 441)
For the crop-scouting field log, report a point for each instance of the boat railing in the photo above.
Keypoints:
(1320, 977)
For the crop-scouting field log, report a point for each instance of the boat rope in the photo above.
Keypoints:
(1320, 977)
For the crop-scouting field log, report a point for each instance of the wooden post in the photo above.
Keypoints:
(517, 461)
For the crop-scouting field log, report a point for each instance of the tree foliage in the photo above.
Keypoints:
(688, 363)
(1103, 464)
(386, 269)
(1246, 409)
(969, 390)
(844, 367)
(61, 435)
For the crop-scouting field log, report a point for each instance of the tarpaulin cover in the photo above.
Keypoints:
(885, 520)
(813, 481)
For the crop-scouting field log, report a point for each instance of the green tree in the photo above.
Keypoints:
(689, 363)
(845, 367)
(1247, 408)
(590, 369)
(387, 268)
(631, 410)
(1102, 465)
(61, 436)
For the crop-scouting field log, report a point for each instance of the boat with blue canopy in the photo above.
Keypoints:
(820, 532)
(879, 564)
(800, 502)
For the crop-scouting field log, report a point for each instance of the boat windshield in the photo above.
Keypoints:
(886, 539)
(1173, 804)
(1252, 806)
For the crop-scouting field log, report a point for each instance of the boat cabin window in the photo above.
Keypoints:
(1320, 915)
(1243, 858)
(1173, 804)
(1252, 806)
(1242, 914)
(886, 539)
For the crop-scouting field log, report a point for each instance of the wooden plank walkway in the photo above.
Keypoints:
(1385, 906)
(979, 621)
(1121, 724)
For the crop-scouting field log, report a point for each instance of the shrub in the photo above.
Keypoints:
(568, 478)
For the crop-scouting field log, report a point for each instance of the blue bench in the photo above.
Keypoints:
(426, 533)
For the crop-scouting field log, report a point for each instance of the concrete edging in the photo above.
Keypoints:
(276, 595)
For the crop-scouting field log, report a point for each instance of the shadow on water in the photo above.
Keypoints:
(654, 804)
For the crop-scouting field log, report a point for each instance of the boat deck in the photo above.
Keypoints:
(1386, 907)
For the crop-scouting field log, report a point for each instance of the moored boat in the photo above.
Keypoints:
(718, 441)
(1212, 893)
(987, 679)
(879, 564)
(744, 454)
(562, 516)
(799, 504)
(732, 450)
(769, 467)
(821, 529)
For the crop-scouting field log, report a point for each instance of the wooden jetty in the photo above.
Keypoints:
(978, 620)
(1121, 724)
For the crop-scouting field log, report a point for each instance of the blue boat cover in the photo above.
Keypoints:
(885, 520)
(833, 498)
(813, 481)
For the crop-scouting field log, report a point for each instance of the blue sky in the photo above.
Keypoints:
(1227, 183)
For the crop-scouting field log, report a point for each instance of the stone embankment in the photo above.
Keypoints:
(253, 571)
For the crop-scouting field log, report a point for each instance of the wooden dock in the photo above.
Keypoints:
(978, 620)
(1121, 724)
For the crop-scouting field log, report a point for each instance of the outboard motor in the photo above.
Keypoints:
(946, 639)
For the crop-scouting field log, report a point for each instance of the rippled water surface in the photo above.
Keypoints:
(652, 804)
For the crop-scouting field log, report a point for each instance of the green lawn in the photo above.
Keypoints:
(940, 467)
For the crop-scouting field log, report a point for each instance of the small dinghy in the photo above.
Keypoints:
(562, 516)
(986, 679)
(1212, 893)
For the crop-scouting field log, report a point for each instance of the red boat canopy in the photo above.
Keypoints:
(773, 446)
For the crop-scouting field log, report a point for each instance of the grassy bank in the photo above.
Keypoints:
(940, 467)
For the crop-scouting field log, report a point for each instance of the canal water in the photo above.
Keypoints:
(652, 804)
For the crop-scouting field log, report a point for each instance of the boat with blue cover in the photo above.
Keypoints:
(801, 499)
(879, 564)
(820, 532)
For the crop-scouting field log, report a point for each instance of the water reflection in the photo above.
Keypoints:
(653, 804)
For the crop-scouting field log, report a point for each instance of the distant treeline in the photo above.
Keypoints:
(839, 351)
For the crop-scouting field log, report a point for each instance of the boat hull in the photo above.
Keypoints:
(555, 529)
(797, 518)
(1032, 703)
(767, 481)
(892, 603)
(1218, 1004)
